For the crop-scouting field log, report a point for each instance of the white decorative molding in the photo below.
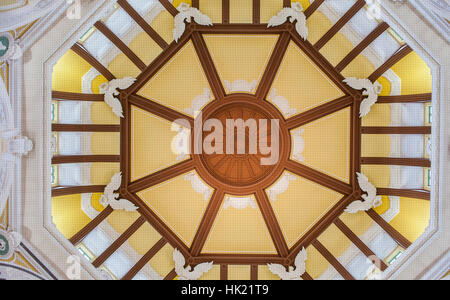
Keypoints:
(187, 273)
(199, 102)
(281, 186)
(282, 103)
(292, 14)
(198, 185)
(181, 142)
(371, 199)
(21, 16)
(293, 273)
(298, 145)
(187, 13)
(10, 271)
(9, 48)
(371, 90)
(239, 202)
(240, 86)
(110, 89)
(110, 198)
(9, 242)
(437, 12)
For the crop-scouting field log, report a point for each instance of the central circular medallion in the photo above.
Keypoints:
(244, 144)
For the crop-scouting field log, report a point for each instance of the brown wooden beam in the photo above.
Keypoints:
(418, 194)
(120, 45)
(272, 223)
(66, 96)
(305, 275)
(395, 235)
(286, 3)
(196, 3)
(319, 112)
(322, 224)
(414, 162)
(238, 28)
(319, 177)
(145, 259)
(272, 66)
(72, 190)
(85, 128)
(208, 66)
(223, 272)
(396, 130)
(142, 23)
(72, 159)
(254, 272)
(161, 176)
(119, 242)
(405, 98)
(382, 27)
(402, 52)
(80, 235)
(159, 109)
(225, 11)
(238, 259)
(355, 140)
(84, 54)
(339, 24)
(332, 260)
(169, 7)
(207, 222)
(313, 7)
(358, 243)
(256, 11)
(171, 276)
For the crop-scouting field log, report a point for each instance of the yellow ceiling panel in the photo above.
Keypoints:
(297, 87)
(327, 144)
(144, 238)
(240, 57)
(379, 175)
(179, 82)
(238, 272)
(212, 8)
(151, 141)
(301, 205)
(213, 274)
(241, 11)
(375, 145)
(178, 205)
(239, 231)
(163, 262)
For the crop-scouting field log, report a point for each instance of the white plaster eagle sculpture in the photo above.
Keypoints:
(293, 273)
(110, 91)
(372, 90)
(110, 198)
(187, 273)
(293, 13)
(370, 199)
(185, 14)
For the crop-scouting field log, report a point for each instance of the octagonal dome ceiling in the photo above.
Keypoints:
(227, 206)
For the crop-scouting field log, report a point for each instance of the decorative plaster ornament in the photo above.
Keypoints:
(293, 273)
(371, 199)
(239, 203)
(188, 273)
(281, 186)
(240, 86)
(110, 198)
(110, 91)
(9, 242)
(298, 145)
(372, 90)
(186, 13)
(292, 14)
(282, 103)
(198, 185)
(199, 102)
(9, 49)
